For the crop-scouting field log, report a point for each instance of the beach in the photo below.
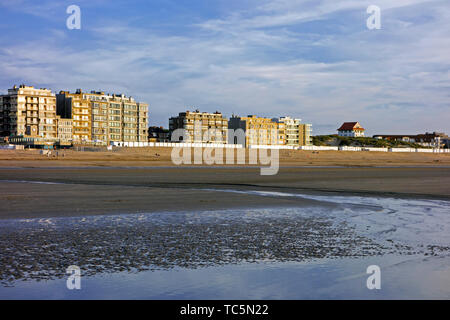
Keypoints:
(80, 183)
(307, 251)
(161, 156)
(130, 221)
(67, 191)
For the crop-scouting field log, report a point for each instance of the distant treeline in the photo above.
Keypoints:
(334, 140)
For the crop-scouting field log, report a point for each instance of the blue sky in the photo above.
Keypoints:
(312, 59)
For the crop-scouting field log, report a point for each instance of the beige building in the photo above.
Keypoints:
(65, 130)
(29, 113)
(77, 108)
(113, 119)
(100, 121)
(259, 131)
(202, 127)
(297, 133)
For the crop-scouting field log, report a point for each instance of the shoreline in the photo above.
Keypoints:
(242, 188)
(96, 191)
(105, 200)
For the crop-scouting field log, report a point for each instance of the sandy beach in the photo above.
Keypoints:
(91, 183)
(149, 157)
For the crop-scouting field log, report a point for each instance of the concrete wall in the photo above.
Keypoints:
(280, 147)
(273, 147)
(328, 148)
(179, 145)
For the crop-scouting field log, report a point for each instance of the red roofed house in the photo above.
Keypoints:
(351, 129)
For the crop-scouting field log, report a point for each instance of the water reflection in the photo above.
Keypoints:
(42, 249)
(289, 253)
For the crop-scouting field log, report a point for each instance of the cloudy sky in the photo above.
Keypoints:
(312, 59)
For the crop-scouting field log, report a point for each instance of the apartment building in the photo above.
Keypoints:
(100, 114)
(202, 127)
(29, 113)
(297, 133)
(118, 118)
(259, 131)
(65, 130)
(112, 118)
(142, 121)
(158, 134)
(74, 106)
(305, 134)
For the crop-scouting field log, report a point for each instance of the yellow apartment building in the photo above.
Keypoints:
(113, 118)
(297, 133)
(118, 118)
(77, 108)
(100, 111)
(202, 127)
(259, 131)
(29, 113)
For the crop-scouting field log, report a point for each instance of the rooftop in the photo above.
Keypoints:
(349, 126)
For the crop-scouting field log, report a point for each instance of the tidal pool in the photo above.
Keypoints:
(275, 253)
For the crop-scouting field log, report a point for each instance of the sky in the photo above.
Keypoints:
(310, 59)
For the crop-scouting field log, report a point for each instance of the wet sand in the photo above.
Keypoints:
(355, 228)
(109, 190)
(41, 250)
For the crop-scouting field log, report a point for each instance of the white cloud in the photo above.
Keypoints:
(252, 62)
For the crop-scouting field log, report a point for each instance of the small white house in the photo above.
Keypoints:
(351, 129)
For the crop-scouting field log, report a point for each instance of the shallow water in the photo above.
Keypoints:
(288, 253)
(412, 277)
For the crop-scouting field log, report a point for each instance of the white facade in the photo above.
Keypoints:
(297, 133)
(351, 129)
